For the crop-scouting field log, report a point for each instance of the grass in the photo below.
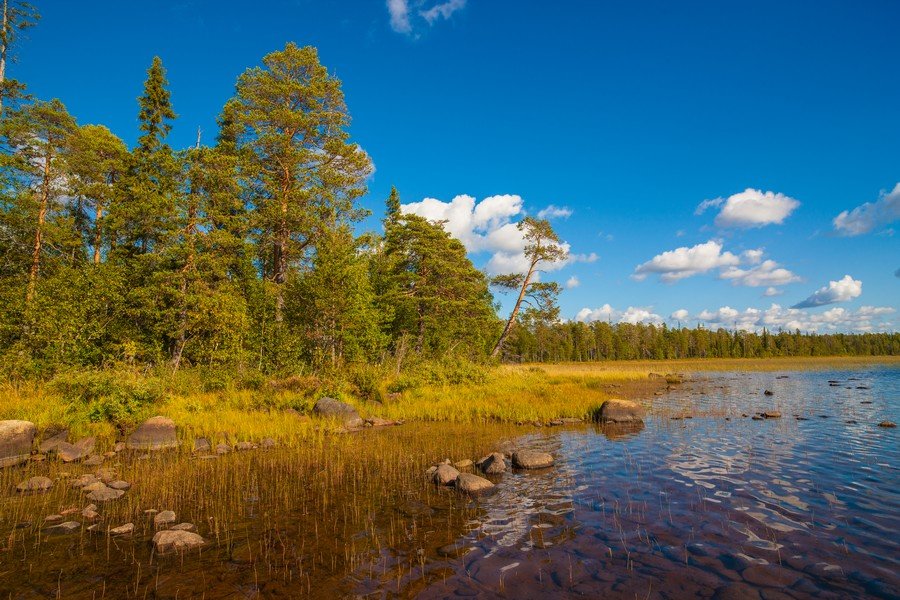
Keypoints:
(104, 404)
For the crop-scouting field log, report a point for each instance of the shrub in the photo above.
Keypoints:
(112, 396)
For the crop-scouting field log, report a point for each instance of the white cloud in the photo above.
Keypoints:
(442, 11)
(680, 315)
(751, 208)
(553, 212)
(573, 282)
(866, 217)
(766, 273)
(633, 315)
(488, 226)
(842, 290)
(866, 318)
(401, 17)
(753, 257)
(399, 11)
(685, 262)
(772, 291)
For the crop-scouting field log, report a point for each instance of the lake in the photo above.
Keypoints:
(701, 502)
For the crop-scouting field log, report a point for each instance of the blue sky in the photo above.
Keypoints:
(625, 115)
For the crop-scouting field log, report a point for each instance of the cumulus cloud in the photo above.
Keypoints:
(866, 217)
(488, 226)
(866, 318)
(765, 273)
(750, 208)
(677, 264)
(772, 291)
(401, 17)
(633, 315)
(842, 290)
(680, 315)
(573, 282)
(554, 212)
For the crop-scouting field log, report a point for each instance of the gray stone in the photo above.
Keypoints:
(620, 411)
(463, 464)
(94, 461)
(16, 439)
(184, 527)
(472, 484)
(84, 480)
(445, 475)
(119, 485)
(329, 407)
(49, 444)
(166, 517)
(35, 484)
(493, 464)
(122, 530)
(63, 528)
(244, 446)
(105, 494)
(176, 541)
(156, 433)
(202, 445)
(77, 451)
(530, 459)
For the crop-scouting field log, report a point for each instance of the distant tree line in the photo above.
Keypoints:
(576, 341)
(242, 252)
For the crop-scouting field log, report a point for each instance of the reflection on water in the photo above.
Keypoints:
(717, 505)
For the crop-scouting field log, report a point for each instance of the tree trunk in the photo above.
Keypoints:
(39, 231)
(512, 317)
(98, 234)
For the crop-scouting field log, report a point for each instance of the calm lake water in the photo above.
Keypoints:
(713, 506)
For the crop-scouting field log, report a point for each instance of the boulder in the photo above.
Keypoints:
(620, 411)
(105, 494)
(77, 451)
(16, 439)
(172, 540)
(445, 475)
(166, 517)
(329, 407)
(472, 484)
(202, 445)
(531, 459)
(492, 464)
(122, 530)
(49, 444)
(156, 433)
(35, 484)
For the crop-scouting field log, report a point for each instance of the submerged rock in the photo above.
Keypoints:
(156, 433)
(184, 527)
(620, 411)
(119, 485)
(493, 463)
(105, 494)
(329, 407)
(472, 484)
(771, 414)
(887, 424)
(35, 484)
(531, 459)
(445, 475)
(77, 451)
(122, 530)
(49, 444)
(16, 439)
(63, 528)
(172, 540)
(84, 480)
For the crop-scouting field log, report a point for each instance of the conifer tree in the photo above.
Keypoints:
(17, 17)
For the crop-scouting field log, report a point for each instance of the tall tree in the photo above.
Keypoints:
(17, 16)
(542, 246)
(35, 137)
(305, 173)
(146, 214)
(96, 161)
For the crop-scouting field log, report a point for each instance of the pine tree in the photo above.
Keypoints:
(17, 17)
(304, 172)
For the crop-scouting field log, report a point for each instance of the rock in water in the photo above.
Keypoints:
(620, 411)
(771, 414)
(122, 530)
(530, 459)
(35, 484)
(156, 433)
(16, 438)
(463, 464)
(49, 444)
(63, 528)
(172, 540)
(472, 484)
(329, 407)
(493, 464)
(184, 527)
(445, 475)
(166, 517)
(77, 451)
(105, 494)
(887, 424)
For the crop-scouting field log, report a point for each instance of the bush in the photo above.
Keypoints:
(111, 396)
(446, 371)
(366, 381)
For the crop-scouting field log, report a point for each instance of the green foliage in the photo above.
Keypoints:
(113, 396)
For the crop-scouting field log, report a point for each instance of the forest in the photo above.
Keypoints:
(244, 253)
